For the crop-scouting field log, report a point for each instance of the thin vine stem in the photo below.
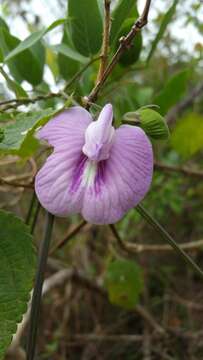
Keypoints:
(36, 298)
(166, 236)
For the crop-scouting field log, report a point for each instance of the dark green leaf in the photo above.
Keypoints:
(67, 66)
(122, 11)
(131, 55)
(18, 136)
(165, 22)
(17, 258)
(85, 26)
(187, 137)
(124, 283)
(1, 134)
(173, 91)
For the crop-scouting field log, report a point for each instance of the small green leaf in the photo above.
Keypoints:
(32, 39)
(187, 136)
(173, 91)
(119, 15)
(69, 52)
(124, 282)
(18, 136)
(17, 258)
(13, 85)
(85, 26)
(151, 122)
(165, 22)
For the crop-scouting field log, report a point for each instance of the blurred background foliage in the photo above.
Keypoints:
(162, 69)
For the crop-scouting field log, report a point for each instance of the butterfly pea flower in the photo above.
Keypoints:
(94, 169)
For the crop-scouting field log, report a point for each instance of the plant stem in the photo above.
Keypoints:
(35, 217)
(105, 44)
(36, 298)
(125, 42)
(32, 203)
(164, 234)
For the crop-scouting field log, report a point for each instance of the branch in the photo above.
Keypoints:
(125, 43)
(132, 248)
(105, 45)
(183, 170)
(68, 237)
(14, 103)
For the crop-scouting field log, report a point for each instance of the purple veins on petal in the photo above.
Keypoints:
(94, 169)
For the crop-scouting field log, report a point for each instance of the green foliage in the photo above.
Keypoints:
(124, 283)
(27, 65)
(131, 55)
(187, 137)
(17, 258)
(1, 134)
(67, 65)
(18, 137)
(165, 22)
(119, 15)
(173, 91)
(70, 53)
(13, 85)
(85, 26)
(32, 39)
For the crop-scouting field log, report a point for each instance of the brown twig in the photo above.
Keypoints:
(68, 237)
(105, 44)
(180, 169)
(132, 248)
(125, 43)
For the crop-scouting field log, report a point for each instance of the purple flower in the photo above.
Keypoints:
(95, 170)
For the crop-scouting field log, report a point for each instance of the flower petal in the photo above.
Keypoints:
(66, 132)
(67, 124)
(126, 177)
(99, 136)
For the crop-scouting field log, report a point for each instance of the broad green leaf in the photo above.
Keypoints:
(85, 26)
(67, 65)
(151, 122)
(173, 91)
(187, 136)
(124, 282)
(165, 22)
(3, 24)
(27, 65)
(122, 11)
(32, 39)
(17, 270)
(13, 85)
(69, 52)
(17, 135)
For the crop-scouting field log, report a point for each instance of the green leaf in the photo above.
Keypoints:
(32, 39)
(85, 26)
(124, 282)
(67, 65)
(165, 22)
(27, 65)
(13, 85)
(1, 134)
(150, 121)
(69, 52)
(173, 91)
(187, 137)
(3, 24)
(18, 137)
(17, 258)
(119, 15)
